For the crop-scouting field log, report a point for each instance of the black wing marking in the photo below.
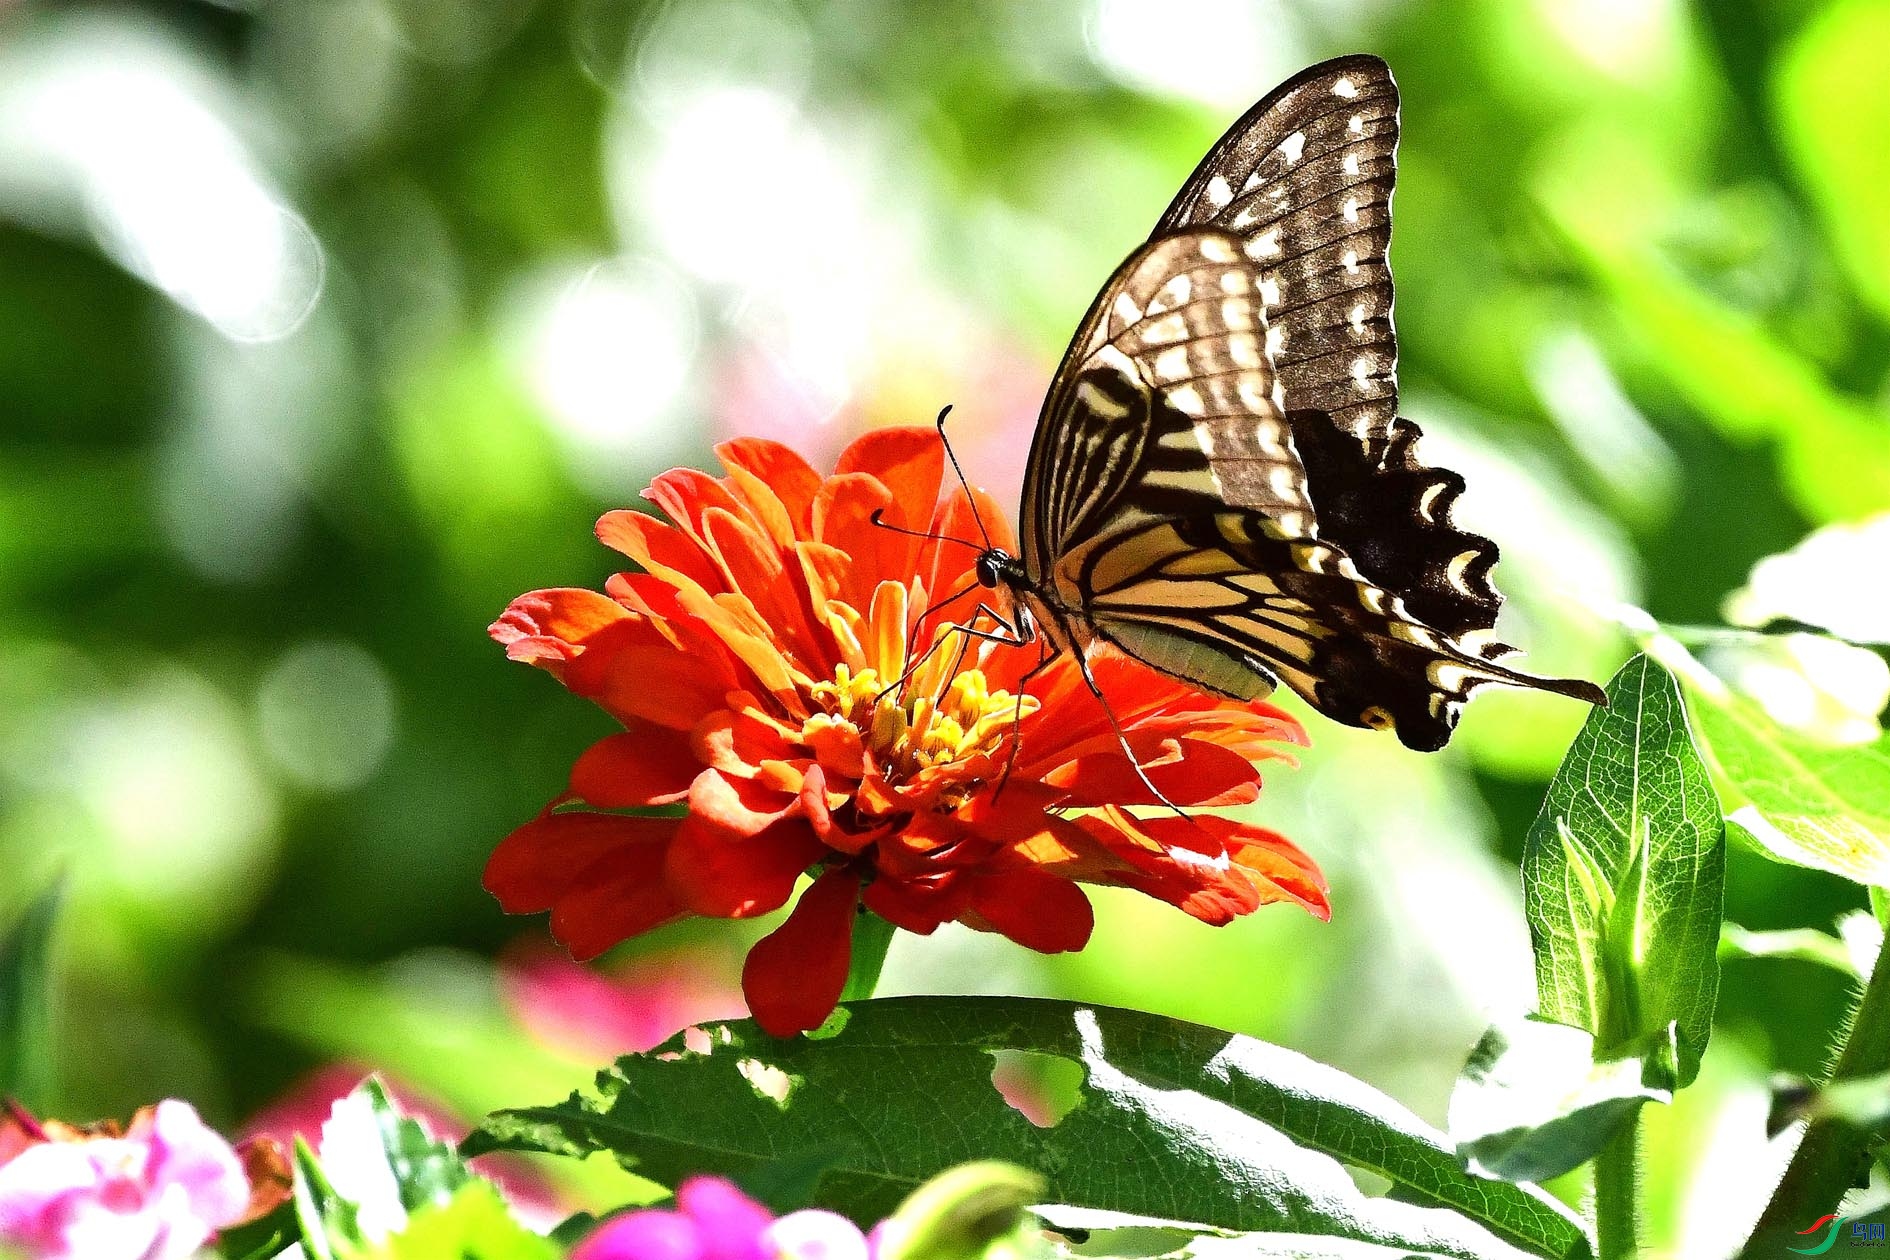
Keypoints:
(1305, 179)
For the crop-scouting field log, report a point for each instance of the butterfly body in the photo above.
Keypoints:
(1220, 485)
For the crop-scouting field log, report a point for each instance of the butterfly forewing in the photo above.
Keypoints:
(1305, 180)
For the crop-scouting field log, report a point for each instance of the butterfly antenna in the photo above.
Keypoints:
(878, 518)
(970, 498)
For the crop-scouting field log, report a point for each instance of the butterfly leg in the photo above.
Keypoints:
(1122, 738)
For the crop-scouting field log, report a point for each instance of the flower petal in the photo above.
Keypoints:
(1038, 911)
(1191, 772)
(641, 766)
(792, 478)
(600, 875)
(906, 459)
(735, 807)
(553, 626)
(1279, 869)
(728, 877)
(660, 549)
(793, 976)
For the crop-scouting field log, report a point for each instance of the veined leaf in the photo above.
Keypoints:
(1173, 1120)
(1623, 875)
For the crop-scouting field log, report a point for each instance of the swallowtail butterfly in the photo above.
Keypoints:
(1220, 484)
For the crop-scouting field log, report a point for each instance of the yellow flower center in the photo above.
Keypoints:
(910, 728)
(909, 716)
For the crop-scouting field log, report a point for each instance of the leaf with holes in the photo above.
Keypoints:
(1171, 1120)
(1623, 875)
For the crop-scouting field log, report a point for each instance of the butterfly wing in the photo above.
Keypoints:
(1305, 180)
(1167, 509)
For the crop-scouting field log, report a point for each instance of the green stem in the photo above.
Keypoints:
(1617, 1193)
(872, 937)
(1832, 1154)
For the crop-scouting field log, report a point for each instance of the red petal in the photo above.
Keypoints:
(659, 548)
(601, 875)
(738, 808)
(917, 907)
(724, 877)
(794, 975)
(536, 864)
(1041, 912)
(1279, 869)
(792, 478)
(684, 494)
(661, 684)
(643, 766)
(1203, 774)
(843, 520)
(1177, 860)
(907, 460)
(554, 625)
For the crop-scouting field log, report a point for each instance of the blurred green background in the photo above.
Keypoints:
(327, 327)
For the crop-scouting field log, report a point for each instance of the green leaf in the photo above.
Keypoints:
(1623, 876)
(26, 1006)
(329, 1223)
(474, 1224)
(1173, 1120)
(1534, 1103)
(1833, 103)
(1807, 803)
(426, 1171)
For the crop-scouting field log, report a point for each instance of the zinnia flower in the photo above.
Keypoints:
(755, 664)
(713, 1220)
(157, 1190)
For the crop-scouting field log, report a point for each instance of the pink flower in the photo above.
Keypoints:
(158, 1191)
(712, 1220)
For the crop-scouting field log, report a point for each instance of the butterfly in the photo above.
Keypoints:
(1220, 484)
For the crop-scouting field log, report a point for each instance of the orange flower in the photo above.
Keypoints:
(753, 666)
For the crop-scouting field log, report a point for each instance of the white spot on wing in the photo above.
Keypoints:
(1234, 283)
(1294, 146)
(1265, 245)
(1356, 126)
(1172, 364)
(1187, 400)
(1276, 340)
(1345, 88)
(1351, 262)
(1351, 209)
(1358, 318)
(1351, 164)
(1127, 312)
(1269, 291)
(1216, 249)
(1218, 192)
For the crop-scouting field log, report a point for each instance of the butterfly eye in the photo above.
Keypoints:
(988, 568)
